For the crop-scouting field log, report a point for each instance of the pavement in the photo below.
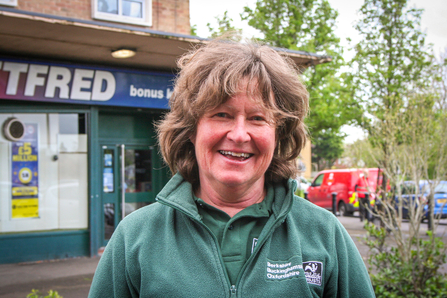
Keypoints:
(72, 278)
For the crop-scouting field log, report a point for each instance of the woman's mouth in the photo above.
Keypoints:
(235, 155)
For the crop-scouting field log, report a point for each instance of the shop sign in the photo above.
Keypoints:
(25, 179)
(48, 82)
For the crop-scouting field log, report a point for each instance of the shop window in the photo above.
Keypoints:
(108, 174)
(44, 177)
(8, 2)
(109, 220)
(137, 176)
(137, 12)
(72, 124)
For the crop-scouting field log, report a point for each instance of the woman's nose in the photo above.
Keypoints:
(239, 131)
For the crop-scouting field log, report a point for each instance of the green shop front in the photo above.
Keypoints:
(78, 153)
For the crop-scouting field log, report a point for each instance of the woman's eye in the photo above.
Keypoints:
(221, 115)
(258, 118)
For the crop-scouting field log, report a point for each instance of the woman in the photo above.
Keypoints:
(228, 223)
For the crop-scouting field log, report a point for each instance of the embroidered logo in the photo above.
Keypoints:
(313, 271)
(282, 270)
(255, 241)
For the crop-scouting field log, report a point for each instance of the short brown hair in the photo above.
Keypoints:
(209, 76)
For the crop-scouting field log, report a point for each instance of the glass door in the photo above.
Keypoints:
(127, 182)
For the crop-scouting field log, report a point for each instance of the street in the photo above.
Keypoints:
(72, 277)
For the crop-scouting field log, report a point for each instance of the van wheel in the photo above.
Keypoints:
(342, 209)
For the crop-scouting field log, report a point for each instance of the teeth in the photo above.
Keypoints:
(244, 155)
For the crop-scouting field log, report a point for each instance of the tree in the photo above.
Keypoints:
(360, 154)
(224, 26)
(193, 30)
(440, 82)
(393, 66)
(409, 263)
(327, 147)
(390, 60)
(396, 76)
(308, 25)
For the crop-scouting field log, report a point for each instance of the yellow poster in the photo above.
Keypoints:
(25, 179)
(25, 208)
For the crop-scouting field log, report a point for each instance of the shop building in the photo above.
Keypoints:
(78, 146)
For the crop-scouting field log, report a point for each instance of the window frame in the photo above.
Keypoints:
(9, 2)
(318, 180)
(146, 19)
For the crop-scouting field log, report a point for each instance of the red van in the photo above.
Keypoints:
(349, 184)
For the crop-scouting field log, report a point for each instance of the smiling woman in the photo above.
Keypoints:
(212, 75)
(234, 145)
(228, 222)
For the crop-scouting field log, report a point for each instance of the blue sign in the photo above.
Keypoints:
(25, 179)
(48, 82)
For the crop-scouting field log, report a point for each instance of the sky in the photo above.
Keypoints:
(433, 23)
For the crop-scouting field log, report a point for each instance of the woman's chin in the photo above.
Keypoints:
(236, 180)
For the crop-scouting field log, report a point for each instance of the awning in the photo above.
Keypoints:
(49, 37)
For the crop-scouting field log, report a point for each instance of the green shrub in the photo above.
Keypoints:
(395, 273)
(36, 294)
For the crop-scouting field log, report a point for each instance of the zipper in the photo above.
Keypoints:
(278, 222)
(189, 215)
(233, 291)
(275, 224)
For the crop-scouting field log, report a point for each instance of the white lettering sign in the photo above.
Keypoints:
(81, 83)
(169, 93)
(147, 93)
(14, 69)
(103, 78)
(86, 84)
(59, 77)
(34, 79)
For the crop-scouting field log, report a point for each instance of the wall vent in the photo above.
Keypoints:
(13, 129)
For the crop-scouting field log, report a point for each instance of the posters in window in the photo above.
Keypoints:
(25, 179)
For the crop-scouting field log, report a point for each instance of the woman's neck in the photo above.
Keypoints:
(231, 200)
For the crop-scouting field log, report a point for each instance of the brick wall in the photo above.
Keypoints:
(78, 9)
(171, 16)
(167, 15)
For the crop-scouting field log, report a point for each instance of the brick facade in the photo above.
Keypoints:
(167, 15)
(78, 9)
(171, 16)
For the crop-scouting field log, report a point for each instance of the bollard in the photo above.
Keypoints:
(379, 210)
(429, 219)
(361, 208)
(367, 207)
(305, 195)
(334, 203)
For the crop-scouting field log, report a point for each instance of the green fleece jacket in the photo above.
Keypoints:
(165, 250)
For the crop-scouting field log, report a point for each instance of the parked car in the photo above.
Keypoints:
(440, 200)
(350, 185)
(423, 190)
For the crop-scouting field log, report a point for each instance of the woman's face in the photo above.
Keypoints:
(234, 143)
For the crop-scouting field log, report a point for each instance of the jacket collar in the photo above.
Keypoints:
(178, 194)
